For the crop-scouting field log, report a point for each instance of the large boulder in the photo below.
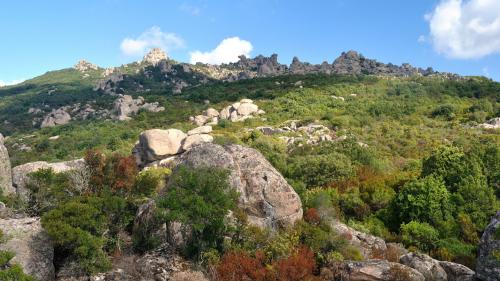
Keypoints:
(5, 170)
(488, 260)
(56, 117)
(20, 173)
(194, 140)
(371, 247)
(457, 272)
(157, 144)
(265, 196)
(31, 245)
(371, 270)
(429, 267)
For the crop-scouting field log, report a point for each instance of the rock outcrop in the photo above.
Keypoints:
(5, 170)
(154, 56)
(84, 65)
(238, 111)
(488, 260)
(31, 245)
(265, 196)
(56, 117)
(157, 145)
(371, 270)
(20, 173)
(371, 247)
(429, 267)
(457, 272)
(126, 106)
(491, 124)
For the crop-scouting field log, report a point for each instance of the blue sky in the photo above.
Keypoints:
(37, 36)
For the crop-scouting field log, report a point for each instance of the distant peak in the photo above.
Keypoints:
(84, 65)
(154, 56)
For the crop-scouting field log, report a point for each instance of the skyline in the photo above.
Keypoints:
(449, 35)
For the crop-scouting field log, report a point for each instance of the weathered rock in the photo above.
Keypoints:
(488, 265)
(200, 130)
(265, 195)
(225, 113)
(200, 120)
(194, 140)
(146, 223)
(125, 106)
(211, 113)
(20, 173)
(429, 267)
(371, 247)
(371, 270)
(247, 109)
(491, 124)
(5, 170)
(56, 117)
(395, 251)
(457, 272)
(154, 56)
(157, 144)
(31, 245)
(84, 65)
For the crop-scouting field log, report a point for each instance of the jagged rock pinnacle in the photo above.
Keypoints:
(84, 65)
(154, 56)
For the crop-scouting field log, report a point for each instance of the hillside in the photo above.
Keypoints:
(383, 153)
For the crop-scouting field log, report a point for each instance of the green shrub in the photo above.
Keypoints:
(199, 198)
(425, 200)
(420, 235)
(151, 181)
(446, 111)
(320, 170)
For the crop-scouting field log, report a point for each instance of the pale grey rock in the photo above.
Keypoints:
(491, 124)
(247, 109)
(196, 139)
(56, 117)
(265, 196)
(20, 173)
(200, 130)
(157, 144)
(457, 272)
(488, 266)
(154, 56)
(31, 245)
(371, 247)
(84, 65)
(5, 170)
(429, 267)
(210, 112)
(371, 270)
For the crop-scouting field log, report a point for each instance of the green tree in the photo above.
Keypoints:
(200, 199)
(425, 199)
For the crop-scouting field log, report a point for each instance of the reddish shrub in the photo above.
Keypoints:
(298, 266)
(236, 266)
(312, 216)
(125, 172)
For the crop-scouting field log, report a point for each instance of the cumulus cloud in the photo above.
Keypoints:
(465, 29)
(227, 51)
(9, 83)
(151, 38)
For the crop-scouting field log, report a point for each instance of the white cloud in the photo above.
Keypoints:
(422, 39)
(227, 51)
(465, 29)
(151, 38)
(9, 83)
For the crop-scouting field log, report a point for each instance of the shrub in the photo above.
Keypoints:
(46, 190)
(151, 181)
(420, 235)
(299, 266)
(425, 200)
(235, 266)
(200, 199)
(320, 170)
(446, 111)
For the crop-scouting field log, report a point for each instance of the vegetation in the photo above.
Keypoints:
(9, 272)
(407, 163)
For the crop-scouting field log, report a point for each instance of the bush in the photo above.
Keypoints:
(320, 170)
(200, 199)
(446, 111)
(420, 235)
(425, 200)
(151, 181)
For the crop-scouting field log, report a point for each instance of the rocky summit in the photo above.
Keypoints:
(154, 56)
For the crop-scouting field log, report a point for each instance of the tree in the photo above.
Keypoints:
(425, 200)
(200, 199)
